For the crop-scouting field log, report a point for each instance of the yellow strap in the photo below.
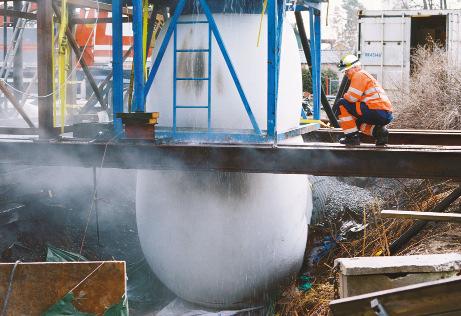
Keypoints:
(53, 75)
(145, 17)
(261, 22)
(63, 60)
(309, 121)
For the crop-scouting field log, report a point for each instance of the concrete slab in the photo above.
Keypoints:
(369, 274)
(399, 264)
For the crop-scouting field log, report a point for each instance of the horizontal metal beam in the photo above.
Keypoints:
(125, 19)
(18, 14)
(315, 159)
(91, 4)
(29, 130)
(396, 137)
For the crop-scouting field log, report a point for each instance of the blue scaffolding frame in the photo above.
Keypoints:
(275, 14)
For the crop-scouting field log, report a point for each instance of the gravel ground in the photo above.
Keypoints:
(331, 197)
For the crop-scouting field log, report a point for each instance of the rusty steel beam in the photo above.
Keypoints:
(315, 159)
(18, 14)
(396, 137)
(45, 69)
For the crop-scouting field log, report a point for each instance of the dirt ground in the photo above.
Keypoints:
(436, 238)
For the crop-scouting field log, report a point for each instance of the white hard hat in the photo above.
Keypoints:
(348, 61)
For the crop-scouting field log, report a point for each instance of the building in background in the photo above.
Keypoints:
(387, 40)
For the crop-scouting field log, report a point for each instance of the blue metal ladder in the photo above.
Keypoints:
(175, 73)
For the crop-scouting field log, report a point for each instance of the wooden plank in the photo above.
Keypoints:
(426, 298)
(425, 216)
(139, 115)
(38, 286)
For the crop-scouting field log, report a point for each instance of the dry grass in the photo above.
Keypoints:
(313, 303)
(433, 96)
(372, 241)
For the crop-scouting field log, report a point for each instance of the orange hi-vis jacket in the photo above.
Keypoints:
(365, 88)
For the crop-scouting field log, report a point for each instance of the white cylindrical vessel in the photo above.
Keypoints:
(220, 239)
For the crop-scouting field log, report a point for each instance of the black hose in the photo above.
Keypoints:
(343, 87)
(307, 53)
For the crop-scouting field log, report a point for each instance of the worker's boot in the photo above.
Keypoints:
(352, 139)
(381, 134)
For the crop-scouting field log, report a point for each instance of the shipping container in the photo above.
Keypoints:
(387, 39)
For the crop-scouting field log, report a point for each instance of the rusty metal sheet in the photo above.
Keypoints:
(38, 286)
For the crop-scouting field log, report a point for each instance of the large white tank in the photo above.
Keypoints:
(219, 239)
(222, 239)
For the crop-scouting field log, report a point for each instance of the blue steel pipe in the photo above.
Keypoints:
(216, 6)
(318, 71)
(314, 25)
(117, 64)
(271, 67)
(138, 58)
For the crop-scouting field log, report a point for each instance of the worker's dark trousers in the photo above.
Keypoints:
(368, 118)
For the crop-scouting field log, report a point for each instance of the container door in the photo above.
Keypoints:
(454, 37)
(384, 48)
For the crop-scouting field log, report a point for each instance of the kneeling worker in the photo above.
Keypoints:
(365, 107)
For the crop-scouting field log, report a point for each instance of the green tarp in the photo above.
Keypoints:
(65, 307)
(54, 254)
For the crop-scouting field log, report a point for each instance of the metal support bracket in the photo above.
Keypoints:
(315, 46)
(117, 64)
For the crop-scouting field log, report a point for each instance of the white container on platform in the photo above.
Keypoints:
(240, 36)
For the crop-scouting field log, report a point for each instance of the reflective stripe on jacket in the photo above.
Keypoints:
(365, 88)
